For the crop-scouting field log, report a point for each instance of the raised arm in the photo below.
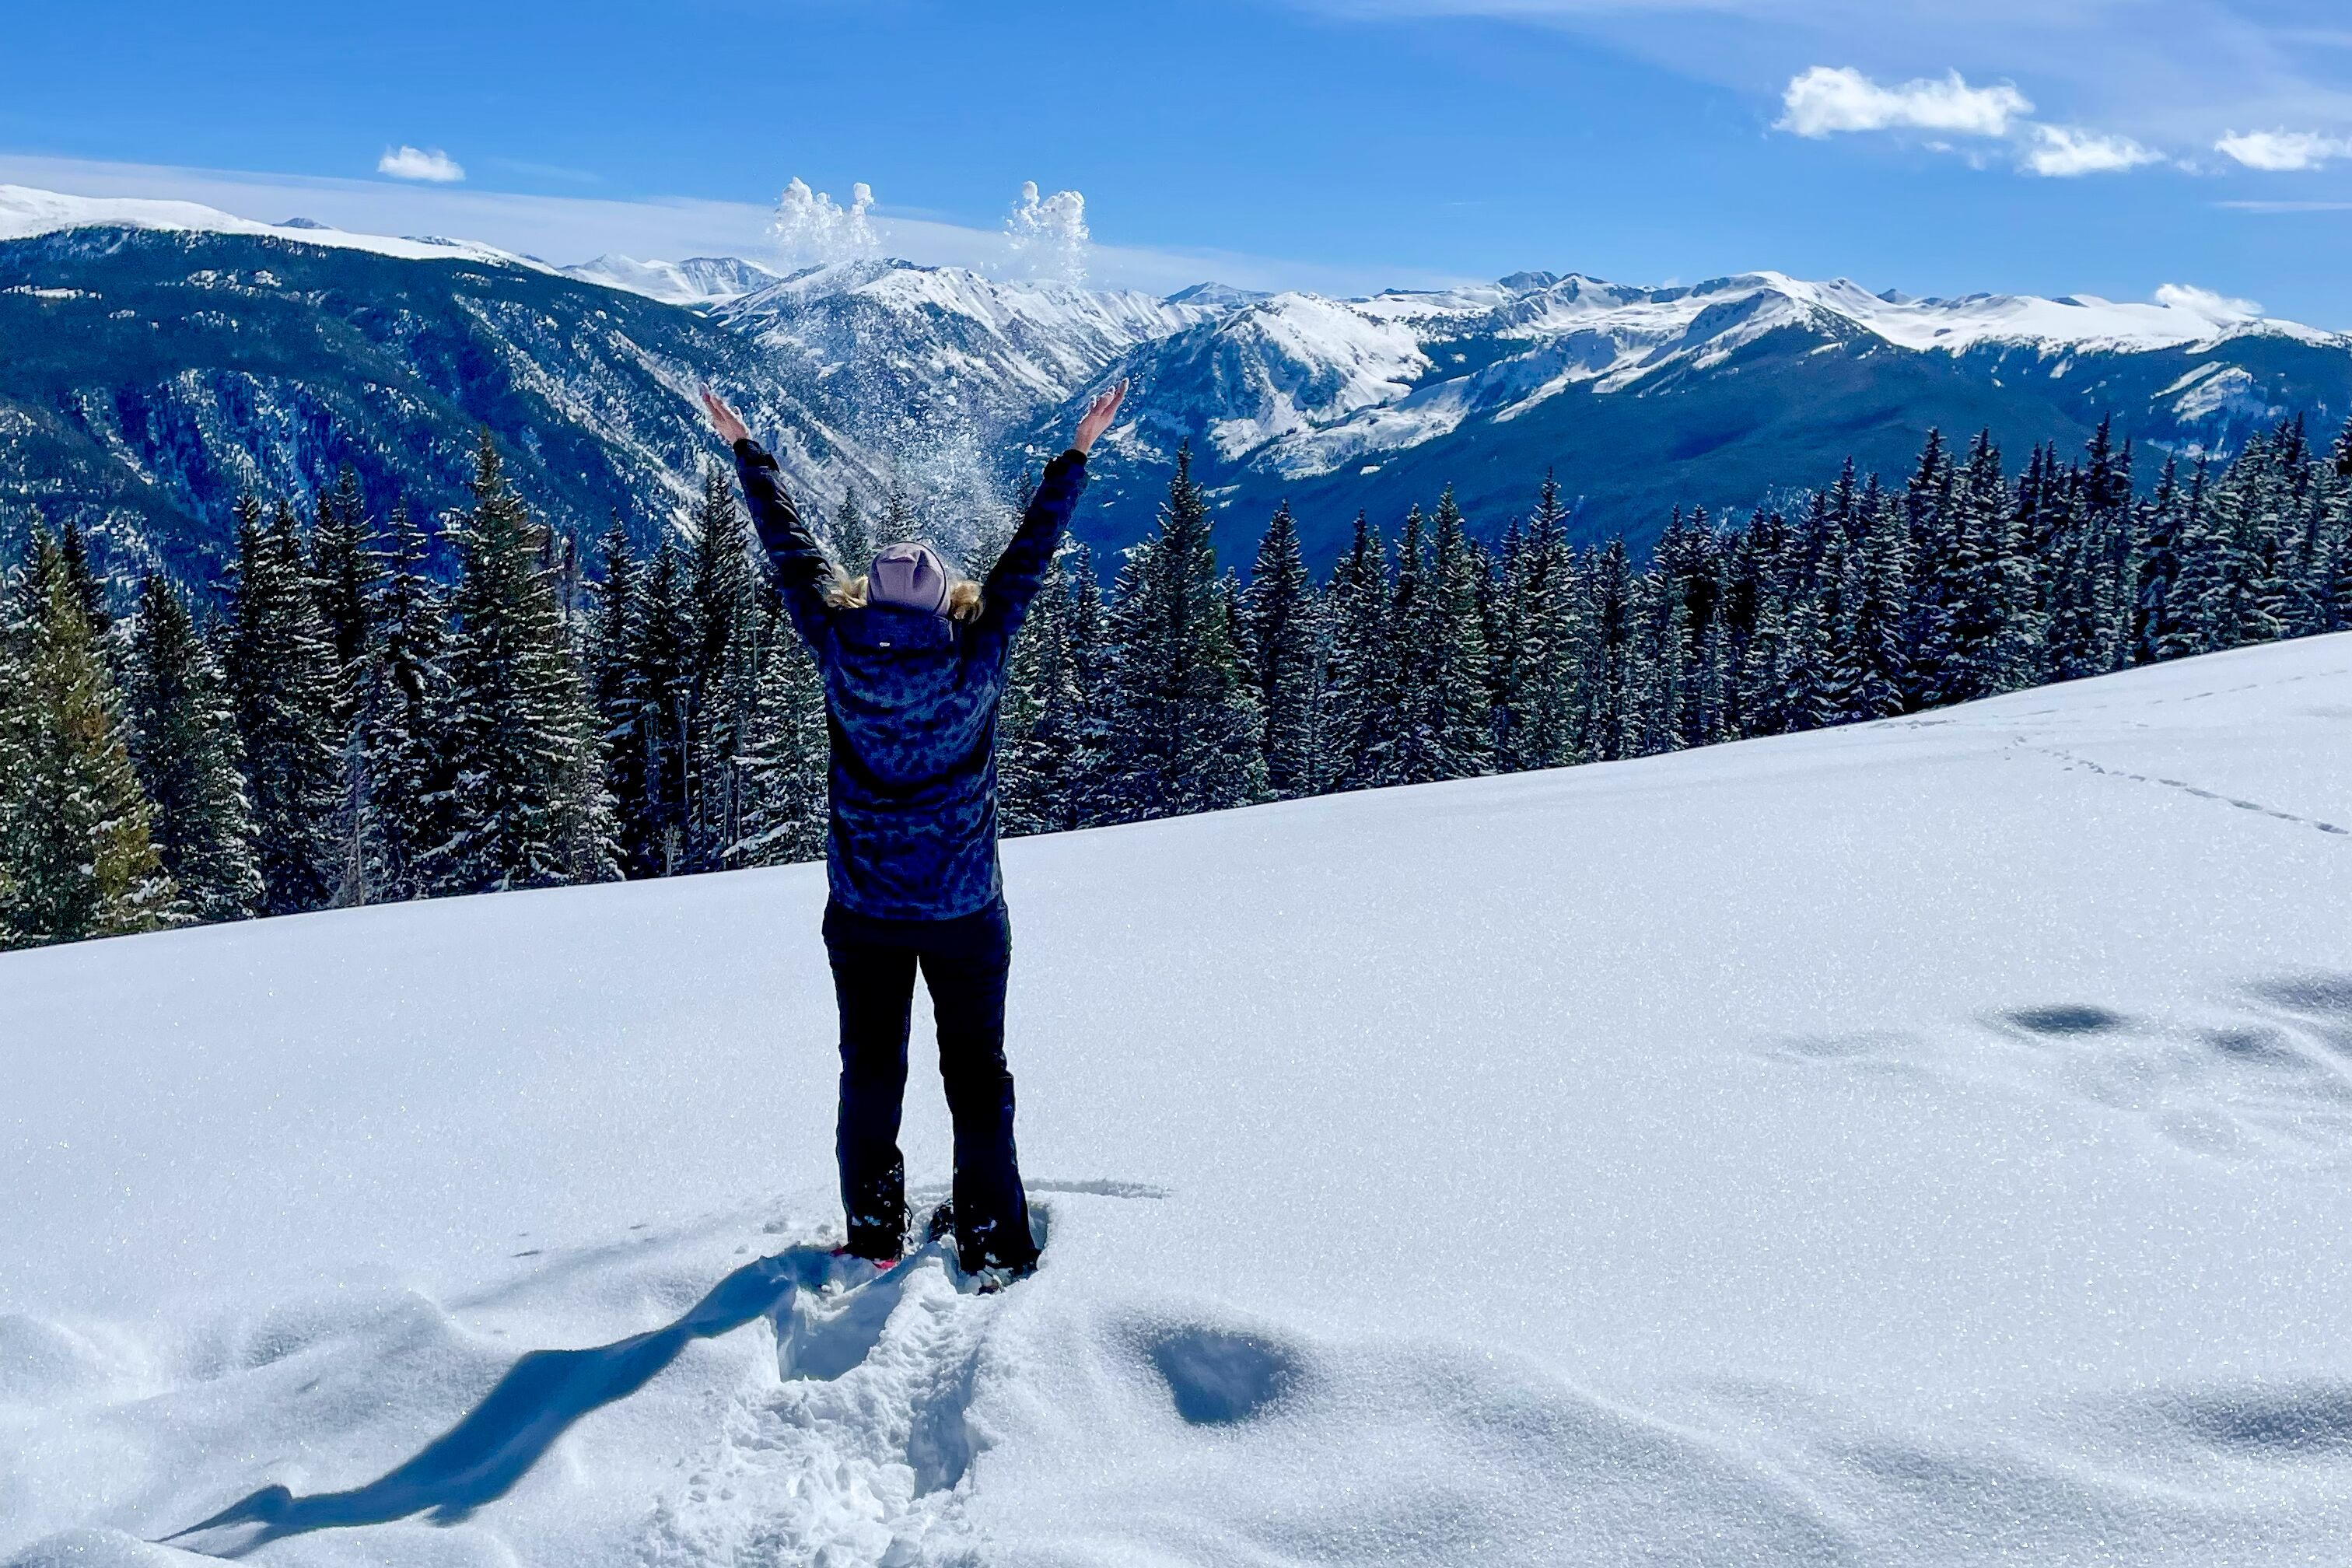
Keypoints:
(1012, 583)
(800, 563)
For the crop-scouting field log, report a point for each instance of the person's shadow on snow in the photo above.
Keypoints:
(499, 1440)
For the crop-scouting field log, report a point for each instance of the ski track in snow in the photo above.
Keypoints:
(1924, 1143)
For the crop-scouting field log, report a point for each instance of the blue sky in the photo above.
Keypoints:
(2090, 146)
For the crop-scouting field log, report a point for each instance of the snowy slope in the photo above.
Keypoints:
(25, 212)
(1925, 1143)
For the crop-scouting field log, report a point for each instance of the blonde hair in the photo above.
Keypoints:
(848, 592)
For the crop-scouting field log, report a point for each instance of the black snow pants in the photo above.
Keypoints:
(965, 962)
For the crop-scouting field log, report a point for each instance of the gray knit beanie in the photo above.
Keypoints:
(909, 576)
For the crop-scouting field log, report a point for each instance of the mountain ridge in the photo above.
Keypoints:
(277, 351)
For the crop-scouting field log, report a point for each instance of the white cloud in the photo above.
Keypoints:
(2206, 303)
(2283, 149)
(1827, 100)
(1048, 238)
(811, 227)
(2062, 151)
(436, 167)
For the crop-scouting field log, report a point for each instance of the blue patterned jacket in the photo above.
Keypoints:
(910, 701)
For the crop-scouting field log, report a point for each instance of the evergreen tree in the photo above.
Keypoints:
(1537, 698)
(185, 749)
(853, 544)
(1938, 589)
(1040, 732)
(407, 811)
(2155, 570)
(1406, 687)
(529, 807)
(1460, 701)
(660, 685)
(89, 589)
(1183, 725)
(283, 681)
(1356, 749)
(76, 858)
(1280, 611)
(785, 761)
(723, 686)
(344, 570)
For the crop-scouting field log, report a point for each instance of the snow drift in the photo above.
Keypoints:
(1924, 1143)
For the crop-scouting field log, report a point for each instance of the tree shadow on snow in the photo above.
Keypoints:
(478, 1459)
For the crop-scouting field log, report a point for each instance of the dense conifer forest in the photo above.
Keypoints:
(367, 711)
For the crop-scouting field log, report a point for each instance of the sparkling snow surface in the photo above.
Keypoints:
(25, 212)
(1919, 1144)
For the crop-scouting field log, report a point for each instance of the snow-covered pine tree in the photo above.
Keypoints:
(344, 570)
(2154, 573)
(1932, 529)
(1184, 727)
(1994, 637)
(724, 685)
(1040, 723)
(1461, 703)
(184, 748)
(1542, 725)
(2203, 552)
(852, 542)
(1406, 686)
(613, 684)
(403, 721)
(529, 804)
(88, 586)
(1287, 644)
(283, 679)
(1876, 598)
(785, 761)
(76, 857)
(1356, 720)
(1612, 720)
(661, 681)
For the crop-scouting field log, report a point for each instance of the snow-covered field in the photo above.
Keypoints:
(1925, 1143)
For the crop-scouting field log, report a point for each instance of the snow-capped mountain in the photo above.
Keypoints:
(26, 213)
(933, 344)
(1645, 397)
(699, 281)
(165, 356)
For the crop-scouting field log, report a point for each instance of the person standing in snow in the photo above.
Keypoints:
(913, 661)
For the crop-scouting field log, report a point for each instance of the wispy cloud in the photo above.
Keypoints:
(1829, 99)
(2063, 152)
(2281, 151)
(2264, 206)
(406, 163)
(2206, 303)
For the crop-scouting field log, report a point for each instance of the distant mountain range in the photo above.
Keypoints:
(157, 358)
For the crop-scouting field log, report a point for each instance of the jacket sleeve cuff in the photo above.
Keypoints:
(747, 450)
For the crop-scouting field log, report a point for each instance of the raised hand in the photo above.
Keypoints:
(723, 419)
(1098, 418)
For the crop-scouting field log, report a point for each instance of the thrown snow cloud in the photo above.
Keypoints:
(2206, 303)
(406, 162)
(812, 228)
(2282, 151)
(1827, 100)
(1048, 238)
(2063, 152)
